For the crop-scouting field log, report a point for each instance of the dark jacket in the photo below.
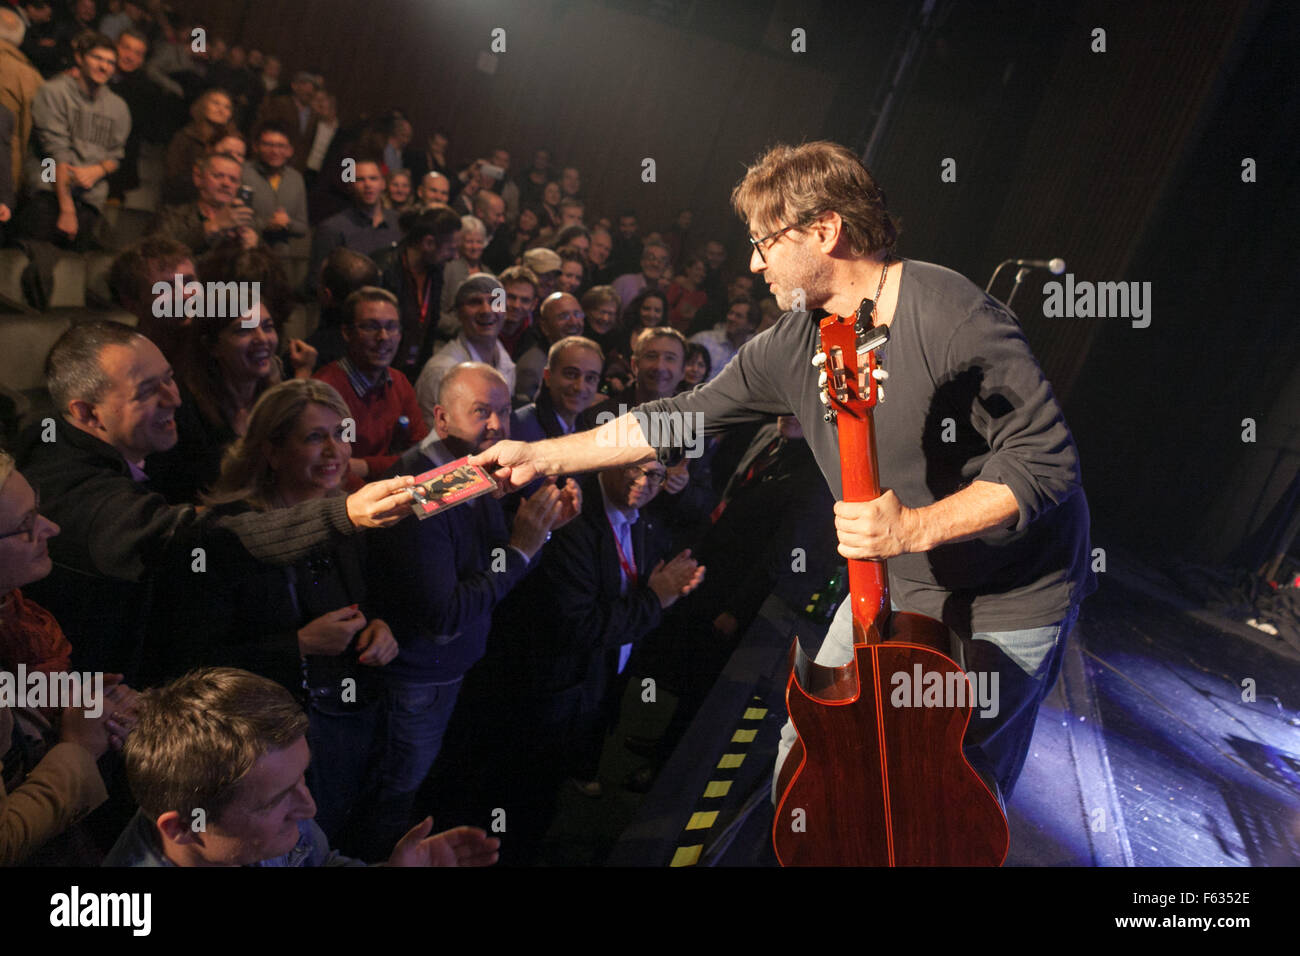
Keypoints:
(193, 464)
(418, 341)
(565, 626)
(248, 614)
(774, 503)
(117, 533)
(435, 580)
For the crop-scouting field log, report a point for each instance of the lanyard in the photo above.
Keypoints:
(626, 561)
(422, 295)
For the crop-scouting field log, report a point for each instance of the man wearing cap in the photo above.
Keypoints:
(546, 265)
(480, 305)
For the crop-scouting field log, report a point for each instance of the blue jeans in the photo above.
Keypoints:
(1026, 663)
(418, 715)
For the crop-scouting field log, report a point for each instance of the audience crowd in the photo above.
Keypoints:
(216, 516)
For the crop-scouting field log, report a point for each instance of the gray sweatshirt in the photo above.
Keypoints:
(965, 400)
(70, 127)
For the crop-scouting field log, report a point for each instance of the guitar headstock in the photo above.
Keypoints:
(848, 363)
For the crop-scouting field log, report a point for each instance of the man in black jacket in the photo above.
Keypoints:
(117, 401)
(412, 271)
(565, 638)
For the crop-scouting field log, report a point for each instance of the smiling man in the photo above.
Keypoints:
(216, 217)
(83, 126)
(117, 399)
(570, 383)
(439, 579)
(367, 227)
(658, 363)
(480, 306)
(987, 532)
(559, 317)
(217, 763)
(381, 399)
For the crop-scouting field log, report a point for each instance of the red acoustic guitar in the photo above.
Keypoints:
(868, 783)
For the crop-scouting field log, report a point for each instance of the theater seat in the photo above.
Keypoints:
(12, 264)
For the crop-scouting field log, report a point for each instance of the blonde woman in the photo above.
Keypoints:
(306, 625)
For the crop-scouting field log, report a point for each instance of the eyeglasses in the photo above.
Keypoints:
(375, 328)
(28, 527)
(653, 478)
(758, 243)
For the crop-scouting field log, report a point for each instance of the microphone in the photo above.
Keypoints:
(1054, 266)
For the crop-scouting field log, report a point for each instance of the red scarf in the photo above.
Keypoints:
(30, 635)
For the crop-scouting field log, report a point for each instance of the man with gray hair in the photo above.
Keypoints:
(655, 261)
(117, 398)
(480, 306)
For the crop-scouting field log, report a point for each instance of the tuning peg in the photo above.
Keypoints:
(880, 393)
(821, 380)
(819, 359)
(880, 375)
(826, 399)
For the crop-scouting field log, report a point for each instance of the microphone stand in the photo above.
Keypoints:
(1020, 277)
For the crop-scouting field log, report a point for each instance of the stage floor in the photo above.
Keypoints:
(1171, 739)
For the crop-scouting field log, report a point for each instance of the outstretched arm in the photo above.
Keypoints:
(617, 442)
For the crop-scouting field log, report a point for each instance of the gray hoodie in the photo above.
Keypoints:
(71, 127)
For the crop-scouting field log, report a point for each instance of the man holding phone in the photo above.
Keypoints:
(220, 215)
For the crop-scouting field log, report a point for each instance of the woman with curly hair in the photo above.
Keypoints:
(225, 365)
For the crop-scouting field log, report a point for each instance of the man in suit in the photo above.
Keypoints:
(602, 585)
(774, 503)
(569, 385)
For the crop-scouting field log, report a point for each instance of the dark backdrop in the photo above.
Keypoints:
(1126, 163)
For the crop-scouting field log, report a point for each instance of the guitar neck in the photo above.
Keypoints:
(868, 580)
(859, 474)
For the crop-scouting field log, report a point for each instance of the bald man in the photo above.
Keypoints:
(434, 187)
(442, 577)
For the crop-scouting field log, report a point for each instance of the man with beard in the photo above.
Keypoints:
(413, 270)
(987, 533)
(381, 399)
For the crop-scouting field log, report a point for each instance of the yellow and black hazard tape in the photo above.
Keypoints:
(691, 842)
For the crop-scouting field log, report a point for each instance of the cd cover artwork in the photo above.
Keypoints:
(443, 488)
